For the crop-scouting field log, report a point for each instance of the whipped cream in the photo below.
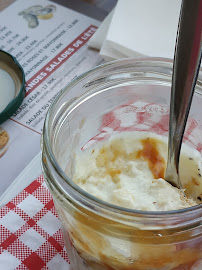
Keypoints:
(128, 170)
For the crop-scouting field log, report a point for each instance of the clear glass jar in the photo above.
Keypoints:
(99, 235)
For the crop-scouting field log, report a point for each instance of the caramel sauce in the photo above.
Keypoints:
(188, 188)
(194, 181)
(163, 260)
(150, 153)
(154, 252)
(152, 256)
(112, 172)
(155, 161)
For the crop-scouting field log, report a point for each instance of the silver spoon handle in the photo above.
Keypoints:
(185, 72)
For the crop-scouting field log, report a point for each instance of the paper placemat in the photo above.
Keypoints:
(30, 231)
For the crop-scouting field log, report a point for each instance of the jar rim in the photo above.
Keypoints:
(196, 210)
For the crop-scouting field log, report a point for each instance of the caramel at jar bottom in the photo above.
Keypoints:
(181, 258)
(94, 242)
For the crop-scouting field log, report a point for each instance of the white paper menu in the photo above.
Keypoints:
(49, 41)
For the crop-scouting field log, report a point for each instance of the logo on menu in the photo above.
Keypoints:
(35, 13)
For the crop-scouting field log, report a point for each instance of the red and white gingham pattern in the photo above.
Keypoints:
(30, 231)
(142, 116)
(31, 236)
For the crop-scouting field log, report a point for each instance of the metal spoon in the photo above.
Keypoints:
(185, 72)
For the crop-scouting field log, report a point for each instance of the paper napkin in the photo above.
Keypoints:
(30, 231)
(140, 28)
(99, 36)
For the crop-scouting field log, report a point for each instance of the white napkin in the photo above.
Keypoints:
(99, 36)
(139, 28)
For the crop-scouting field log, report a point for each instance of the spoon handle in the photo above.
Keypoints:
(185, 72)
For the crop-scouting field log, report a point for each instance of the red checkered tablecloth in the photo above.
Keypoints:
(139, 115)
(30, 231)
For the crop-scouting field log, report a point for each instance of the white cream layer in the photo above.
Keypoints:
(110, 172)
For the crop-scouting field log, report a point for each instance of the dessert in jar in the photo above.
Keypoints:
(128, 170)
(104, 157)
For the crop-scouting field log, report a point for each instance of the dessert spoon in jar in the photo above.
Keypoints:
(185, 72)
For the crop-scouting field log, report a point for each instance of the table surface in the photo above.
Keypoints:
(5, 3)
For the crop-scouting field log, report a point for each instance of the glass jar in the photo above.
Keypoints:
(118, 96)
